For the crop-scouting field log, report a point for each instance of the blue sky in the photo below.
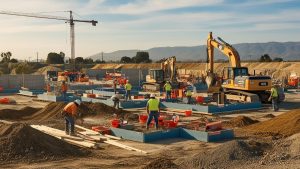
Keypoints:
(143, 24)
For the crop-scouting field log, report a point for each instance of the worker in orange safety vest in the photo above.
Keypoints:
(70, 112)
(64, 89)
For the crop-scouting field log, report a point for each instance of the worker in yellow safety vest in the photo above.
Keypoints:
(128, 88)
(153, 109)
(168, 88)
(189, 94)
(274, 97)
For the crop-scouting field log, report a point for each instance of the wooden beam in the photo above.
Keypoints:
(112, 137)
(6, 122)
(112, 142)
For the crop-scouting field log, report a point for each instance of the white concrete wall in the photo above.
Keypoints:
(26, 80)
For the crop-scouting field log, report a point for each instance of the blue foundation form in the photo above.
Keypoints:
(123, 104)
(174, 133)
(30, 92)
(213, 109)
(10, 91)
(53, 98)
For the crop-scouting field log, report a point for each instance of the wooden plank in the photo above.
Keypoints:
(86, 129)
(6, 122)
(112, 142)
(112, 137)
(60, 135)
(55, 132)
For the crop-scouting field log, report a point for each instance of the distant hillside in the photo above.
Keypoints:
(247, 51)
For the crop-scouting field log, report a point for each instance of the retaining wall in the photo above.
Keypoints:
(26, 80)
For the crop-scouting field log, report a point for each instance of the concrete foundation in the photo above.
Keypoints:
(53, 98)
(213, 109)
(174, 133)
(30, 92)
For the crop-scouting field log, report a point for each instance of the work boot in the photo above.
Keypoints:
(73, 134)
(147, 127)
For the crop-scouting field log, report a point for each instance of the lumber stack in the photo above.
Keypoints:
(85, 138)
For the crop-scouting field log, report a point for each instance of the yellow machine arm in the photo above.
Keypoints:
(168, 66)
(227, 49)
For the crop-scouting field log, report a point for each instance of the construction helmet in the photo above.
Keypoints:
(78, 102)
(127, 81)
(152, 95)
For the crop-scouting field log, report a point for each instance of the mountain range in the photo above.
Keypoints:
(247, 51)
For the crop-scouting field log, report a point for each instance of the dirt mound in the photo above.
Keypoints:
(11, 114)
(241, 121)
(285, 124)
(45, 69)
(283, 149)
(269, 116)
(228, 155)
(51, 111)
(161, 163)
(20, 142)
(100, 109)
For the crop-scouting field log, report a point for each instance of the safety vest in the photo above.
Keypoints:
(153, 104)
(168, 87)
(274, 92)
(188, 93)
(64, 87)
(128, 86)
(71, 108)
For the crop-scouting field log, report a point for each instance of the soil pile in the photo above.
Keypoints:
(285, 124)
(269, 116)
(12, 114)
(241, 121)
(161, 163)
(283, 150)
(228, 155)
(20, 142)
(50, 112)
(100, 109)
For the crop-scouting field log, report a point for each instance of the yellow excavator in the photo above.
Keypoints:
(237, 83)
(157, 77)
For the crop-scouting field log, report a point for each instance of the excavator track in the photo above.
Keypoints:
(241, 96)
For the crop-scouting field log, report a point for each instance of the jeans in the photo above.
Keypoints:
(116, 104)
(128, 95)
(189, 99)
(150, 117)
(69, 128)
(168, 94)
(275, 103)
(64, 95)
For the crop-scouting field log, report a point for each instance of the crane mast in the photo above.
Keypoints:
(70, 20)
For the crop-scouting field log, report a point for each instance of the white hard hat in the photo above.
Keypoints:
(78, 102)
(152, 95)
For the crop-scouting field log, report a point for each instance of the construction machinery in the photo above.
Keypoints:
(157, 77)
(237, 83)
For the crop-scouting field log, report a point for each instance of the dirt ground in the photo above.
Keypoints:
(247, 150)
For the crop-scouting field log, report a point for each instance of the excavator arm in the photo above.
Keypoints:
(168, 67)
(225, 48)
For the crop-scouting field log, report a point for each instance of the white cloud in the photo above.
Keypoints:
(145, 6)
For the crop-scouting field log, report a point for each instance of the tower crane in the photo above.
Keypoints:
(70, 20)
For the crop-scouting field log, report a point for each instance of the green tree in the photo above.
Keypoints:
(88, 61)
(278, 59)
(99, 61)
(55, 58)
(13, 60)
(126, 59)
(79, 60)
(23, 68)
(6, 57)
(141, 57)
(265, 58)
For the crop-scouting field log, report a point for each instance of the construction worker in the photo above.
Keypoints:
(188, 94)
(115, 85)
(168, 89)
(70, 113)
(153, 109)
(128, 88)
(64, 89)
(274, 97)
(116, 99)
